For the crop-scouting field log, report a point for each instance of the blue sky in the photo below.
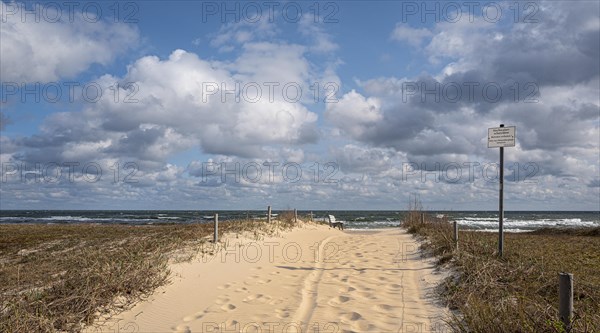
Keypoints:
(406, 92)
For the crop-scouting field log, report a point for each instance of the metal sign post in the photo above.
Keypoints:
(500, 137)
(501, 205)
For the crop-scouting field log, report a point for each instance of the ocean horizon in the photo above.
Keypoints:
(514, 221)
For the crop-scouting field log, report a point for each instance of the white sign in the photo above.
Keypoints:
(501, 137)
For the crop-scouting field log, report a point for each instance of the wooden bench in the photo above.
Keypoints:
(335, 224)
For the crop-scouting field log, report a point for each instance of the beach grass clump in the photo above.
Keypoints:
(519, 291)
(56, 277)
(61, 277)
(287, 218)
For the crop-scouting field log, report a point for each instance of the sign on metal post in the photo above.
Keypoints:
(500, 137)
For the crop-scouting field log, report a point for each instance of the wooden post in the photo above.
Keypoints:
(216, 236)
(565, 297)
(295, 215)
(268, 214)
(422, 218)
(456, 234)
(311, 216)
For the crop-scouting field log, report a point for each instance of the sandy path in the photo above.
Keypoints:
(314, 279)
(377, 282)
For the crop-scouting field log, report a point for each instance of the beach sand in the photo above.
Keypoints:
(311, 279)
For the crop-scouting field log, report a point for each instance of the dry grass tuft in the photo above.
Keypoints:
(519, 292)
(61, 277)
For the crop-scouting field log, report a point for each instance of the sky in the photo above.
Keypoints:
(298, 104)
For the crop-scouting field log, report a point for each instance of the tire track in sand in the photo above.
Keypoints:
(310, 285)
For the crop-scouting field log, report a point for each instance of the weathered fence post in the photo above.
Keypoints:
(565, 297)
(268, 214)
(456, 235)
(422, 218)
(216, 236)
(295, 215)
(311, 216)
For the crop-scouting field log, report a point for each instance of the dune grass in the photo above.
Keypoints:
(61, 277)
(518, 292)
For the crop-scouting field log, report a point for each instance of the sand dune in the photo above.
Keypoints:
(314, 279)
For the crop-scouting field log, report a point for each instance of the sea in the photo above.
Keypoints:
(514, 221)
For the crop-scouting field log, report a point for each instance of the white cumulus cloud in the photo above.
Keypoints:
(44, 50)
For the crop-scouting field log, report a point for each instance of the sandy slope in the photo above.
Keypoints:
(314, 279)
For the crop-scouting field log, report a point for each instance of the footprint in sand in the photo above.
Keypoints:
(225, 286)
(367, 295)
(230, 325)
(282, 313)
(359, 271)
(221, 305)
(228, 307)
(350, 317)
(242, 290)
(347, 289)
(338, 300)
(394, 286)
(363, 287)
(257, 299)
(384, 307)
(195, 316)
(222, 300)
(182, 329)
